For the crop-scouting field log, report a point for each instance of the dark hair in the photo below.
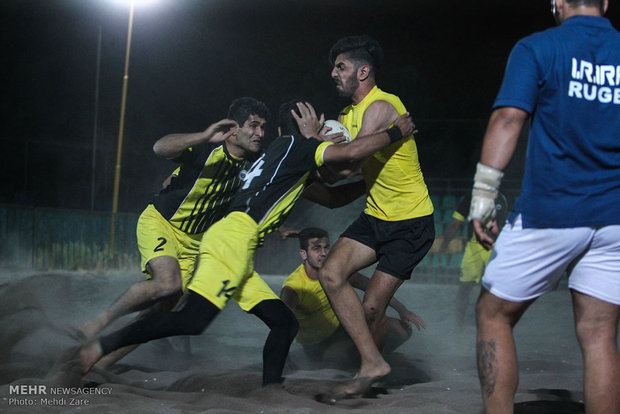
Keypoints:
(286, 122)
(310, 233)
(361, 48)
(241, 108)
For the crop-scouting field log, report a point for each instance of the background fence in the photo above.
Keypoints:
(46, 238)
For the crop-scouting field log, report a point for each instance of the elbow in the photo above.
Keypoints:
(158, 149)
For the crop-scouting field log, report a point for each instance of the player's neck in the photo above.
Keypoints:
(312, 272)
(361, 92)
(581, 11)
(235, 150)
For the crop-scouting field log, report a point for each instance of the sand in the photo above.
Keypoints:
(434, 372)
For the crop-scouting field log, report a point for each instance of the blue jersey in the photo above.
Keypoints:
(568, 79)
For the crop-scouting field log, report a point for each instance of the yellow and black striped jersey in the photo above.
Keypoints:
(277, 179)
(201, 193)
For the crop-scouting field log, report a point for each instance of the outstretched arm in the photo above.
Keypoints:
(172, 145)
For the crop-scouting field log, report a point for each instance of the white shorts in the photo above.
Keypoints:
(527, 263)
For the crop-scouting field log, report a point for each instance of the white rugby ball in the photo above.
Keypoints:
(337, 127)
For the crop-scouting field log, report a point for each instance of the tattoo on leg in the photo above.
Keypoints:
(487, 366)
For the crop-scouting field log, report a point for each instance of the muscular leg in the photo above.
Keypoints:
(379, 292)
(596, 324)
(192, 319)
(346, 257)
(283, 328)
(496, 352)
(165, 281)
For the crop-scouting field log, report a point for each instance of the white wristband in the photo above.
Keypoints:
(486, 184)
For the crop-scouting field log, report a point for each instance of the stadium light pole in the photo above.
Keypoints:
(121, 128)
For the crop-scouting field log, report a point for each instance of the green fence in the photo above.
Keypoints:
(45, 238)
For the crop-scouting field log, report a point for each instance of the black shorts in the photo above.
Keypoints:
(399, 245)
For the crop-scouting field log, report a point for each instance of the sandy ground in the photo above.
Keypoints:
(434, 372)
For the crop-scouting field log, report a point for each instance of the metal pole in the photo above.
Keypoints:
(117, 173)
(95, 122)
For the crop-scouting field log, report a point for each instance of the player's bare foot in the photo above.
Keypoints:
(352, 388)
(89, 355)
(376, 369)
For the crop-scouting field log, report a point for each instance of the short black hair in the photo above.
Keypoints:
(362, 48)
(310, 233)
(241, 108)
(286, 122)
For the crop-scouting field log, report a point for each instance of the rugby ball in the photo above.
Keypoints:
(337, 127)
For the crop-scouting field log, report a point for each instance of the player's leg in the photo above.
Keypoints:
(346, 257)
(257, 298)
(473, 264)
(165, 281)
(595, 287)
(159, 246)
(402, 245)
(596, 324)
(378, 295)
(526, 264)
(283, 327)
(164, 305)
(191, 319)
(496, 352)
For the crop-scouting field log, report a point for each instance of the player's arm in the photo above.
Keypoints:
(362, 147)
(378, 117)
(359, 281)
(289, 297)
(173, 145)
(336, 196)
(500, 141)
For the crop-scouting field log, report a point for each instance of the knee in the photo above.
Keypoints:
(595, 333)
(330, 278)
(168, 284)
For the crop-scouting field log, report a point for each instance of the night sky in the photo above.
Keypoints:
(190, 58)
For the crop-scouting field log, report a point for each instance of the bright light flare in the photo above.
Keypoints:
(137, 3)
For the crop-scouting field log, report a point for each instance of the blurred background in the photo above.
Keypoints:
(63, 66)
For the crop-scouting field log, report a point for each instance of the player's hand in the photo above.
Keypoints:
(309, 124)
(482, 233)
(288, 233)
(411, 318)
(221, 130)
(406, 125)
(324, 135)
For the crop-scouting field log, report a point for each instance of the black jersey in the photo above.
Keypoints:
(201, 193)
(277, 179)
